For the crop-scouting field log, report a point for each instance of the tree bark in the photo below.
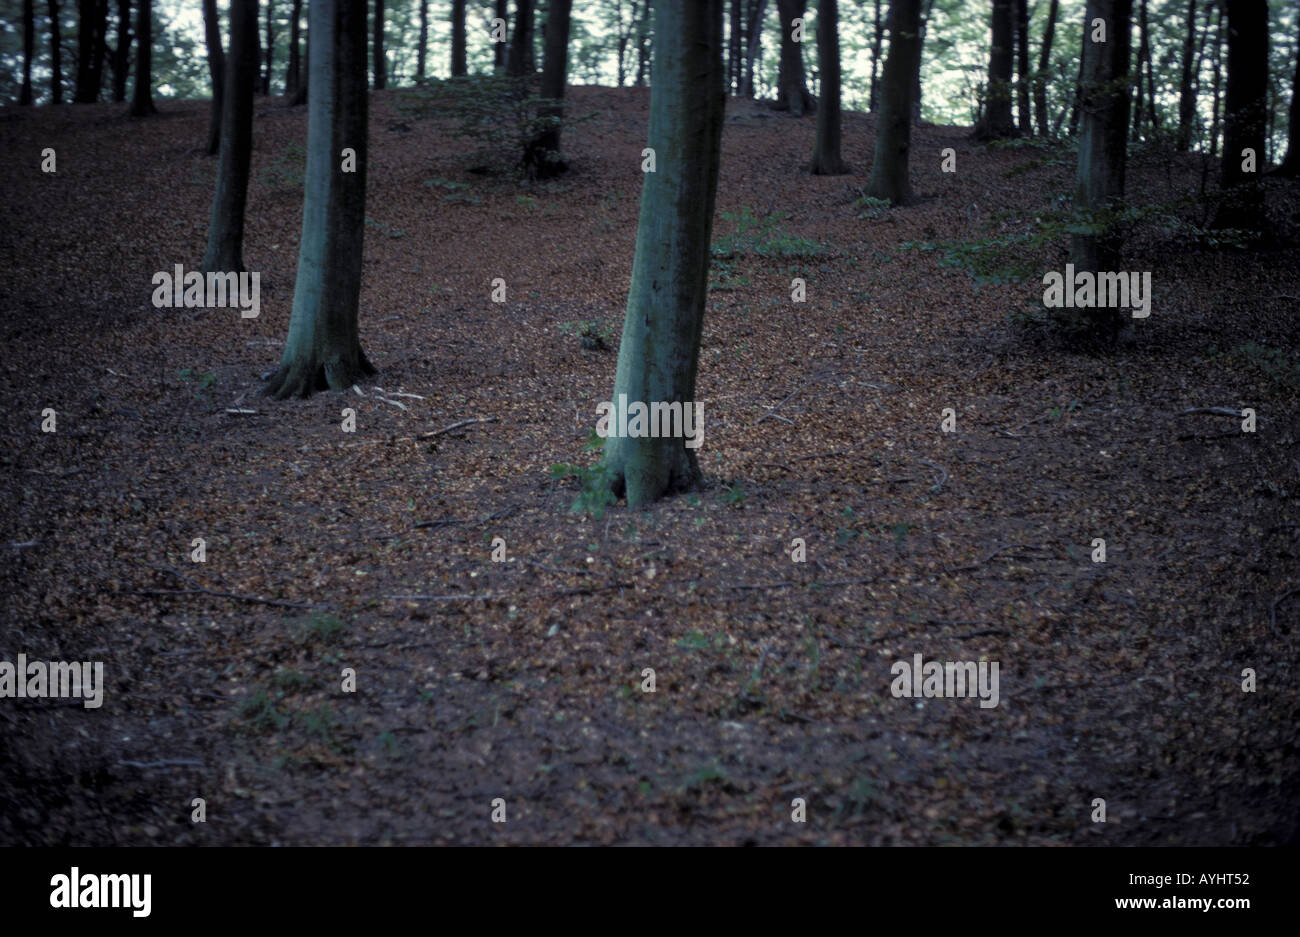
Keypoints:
(1186, 91)
(659, 353)
(458, 66)
(378, 62)
(521, 42)
(323, 347)
(996, 121)
(826, 159)
(1217, 106)
(56, 55)
(1103, 103)
(875, 58)
(421, 51)
(1245, 116)
(300, 96)
(225, 251)
(29, 49)
(142, 99)
(1044, 62)
(293, 72)
(216, 70)
(1022, 68)
(543, 159)
(122, 53)
(889, 168)
(791, 85)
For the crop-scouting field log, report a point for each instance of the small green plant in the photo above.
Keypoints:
(260, 713)
(288, 170)
(321, 628)
(291, 680)
(763, 236)
(733, 494)
(595, 489)
(204, 379)
(592, 335)
(870, 207)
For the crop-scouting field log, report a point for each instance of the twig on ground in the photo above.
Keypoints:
(448, 429)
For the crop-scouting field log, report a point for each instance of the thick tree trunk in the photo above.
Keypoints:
(543, 159)
(889, 176)
(1245, 116)
(1104, 103)
(826, 159)
(658, 357)
(458, 66)
(378, 62)
(521, 42)
(753, 44)
(876, 41)
(996, 121)
(1022, 68)
(323, 348)
(216, 70)
(270, 49)
(56, 55)
(791, 85)
(225, 250)
(499, 48)
(1044, 62)
(1290, 167)
(25, 97)
(293, 72)
(122, 54)
(142, 98)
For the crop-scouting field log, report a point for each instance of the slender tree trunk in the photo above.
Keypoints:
(377, 60)
(499, 48)
(1022, 68)
(875, 58)
(791, 86)
(889, 175)
(1104, 102)
(270, 50)
(734, 56)
(1186, 91)
(1144, 50)
(543, 159)
(1245, 116)
(521, 42)
(100, 47)
(300, 96)
(1290, 167)
(996, 121)
(421, 51)
(1078, 84)
(753, 44)
(56, 55)
(1044, 62)
(29, 49)
(644, 55)
(85, 92)
(142, 100)
(225, 251)
(826, 159)
(458, 67)
(293, 72)
(1217, 106)
(122, 53)
(916, 79)
(659, 354)
(323, 347)
(217, 71)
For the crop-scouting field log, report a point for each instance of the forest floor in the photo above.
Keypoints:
(522, 679)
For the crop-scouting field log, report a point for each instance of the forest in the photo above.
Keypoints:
(654, 422)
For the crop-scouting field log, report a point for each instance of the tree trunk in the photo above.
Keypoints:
(142, 99)
(658, 356)
(521, 42)
(996, 121)
(826, 160)
(122, 54)
(56, 55)
(543, 160)
(101, 47)
(889, 177)
(1022, 68)
(1290, 167)
(1186, 91)
(1144, 50)
(1078, 83)
(644, 55)
(300, 96)
(1217, 106)
(421, 51)
(217, 71)
(1044, 62)
(323, 347)
(458, 67)
(1245, 116)
(270, 49)
(753, 44)
(225, 251)
(29, 49)
(734, 45)
(1104, 102)
(378, 62)
(85, 90)
(293, 73)
(916, 79)
(791, 86)
(499, 48)
(875, 58)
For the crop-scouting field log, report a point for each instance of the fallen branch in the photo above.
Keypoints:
(1211, 411)
(221, 595)
(448, 429)
(165, 763)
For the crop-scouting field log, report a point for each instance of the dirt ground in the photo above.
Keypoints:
(522, 680)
